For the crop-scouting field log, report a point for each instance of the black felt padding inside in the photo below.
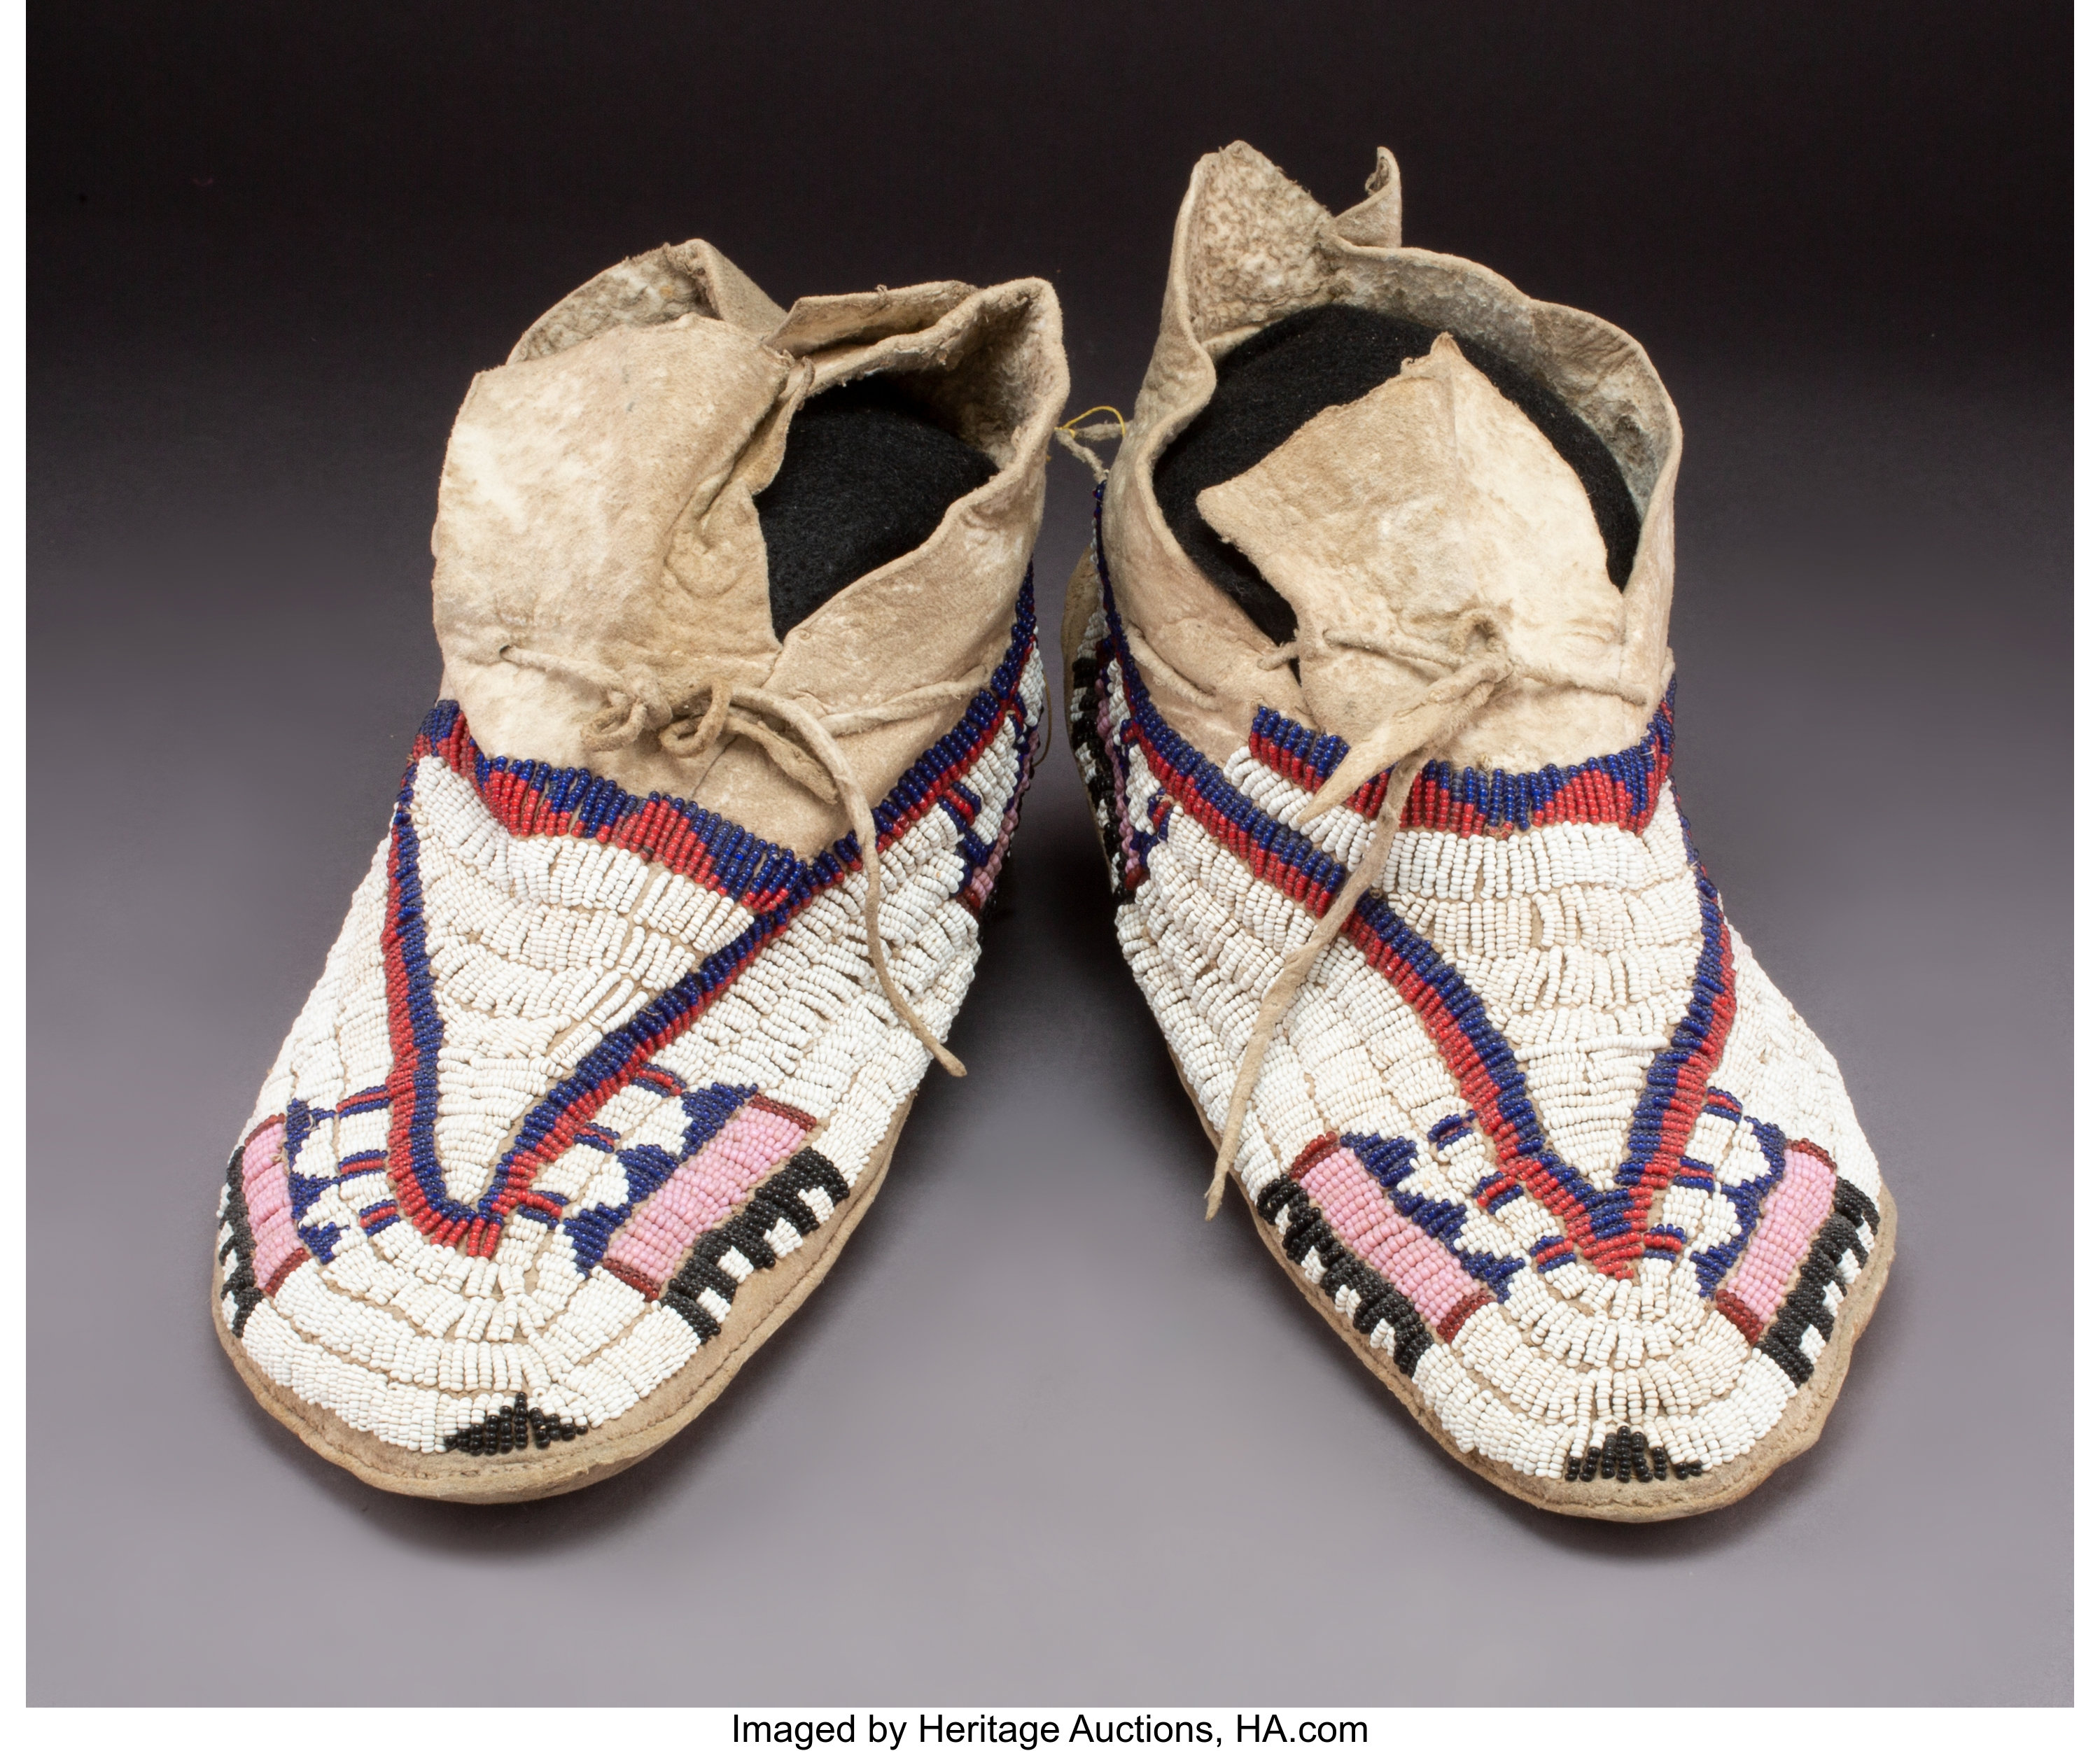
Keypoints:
(867, 476)
(1272, 384)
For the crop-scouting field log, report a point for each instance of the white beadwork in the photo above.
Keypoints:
(538, 946)
(1581, 941)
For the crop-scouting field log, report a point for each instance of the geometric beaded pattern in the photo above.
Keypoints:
(580, 1064)
(1538, 1123)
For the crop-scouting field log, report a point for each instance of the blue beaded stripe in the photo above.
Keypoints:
(410, 953)
(1494, 1190)
(1502, 798)
(1446, 1131)
(1713, 1004)
(752, 863)
(1552, 1251)
(1322, 753)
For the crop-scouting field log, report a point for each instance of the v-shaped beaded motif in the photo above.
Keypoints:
(1538, 1124)
(581, 1065)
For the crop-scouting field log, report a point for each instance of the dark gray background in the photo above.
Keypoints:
(1044, 1433)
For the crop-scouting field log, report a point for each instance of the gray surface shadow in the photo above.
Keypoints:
(1044, 1431)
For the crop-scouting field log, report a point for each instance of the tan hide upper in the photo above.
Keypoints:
(1396, 518)
(595, 522)
(1398, 512)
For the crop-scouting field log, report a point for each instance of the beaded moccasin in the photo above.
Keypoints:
(1370, 683)
(614, 1047)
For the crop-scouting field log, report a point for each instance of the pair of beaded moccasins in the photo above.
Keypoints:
(1368, 677)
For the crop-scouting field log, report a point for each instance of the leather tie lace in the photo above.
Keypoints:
(697, 722)
(1403, 745)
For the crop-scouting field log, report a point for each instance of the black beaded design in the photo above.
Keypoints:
(1284, 1201)
(1851, 1209)
(512, 1430)
(1627, 1456)
(1095, 769)
(780, 1198)
(237, 1253)
(1856, 1206)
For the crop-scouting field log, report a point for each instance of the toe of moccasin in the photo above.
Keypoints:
(1671, 1388)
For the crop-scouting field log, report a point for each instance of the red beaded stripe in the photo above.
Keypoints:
(1588, 797)
(658, 830)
